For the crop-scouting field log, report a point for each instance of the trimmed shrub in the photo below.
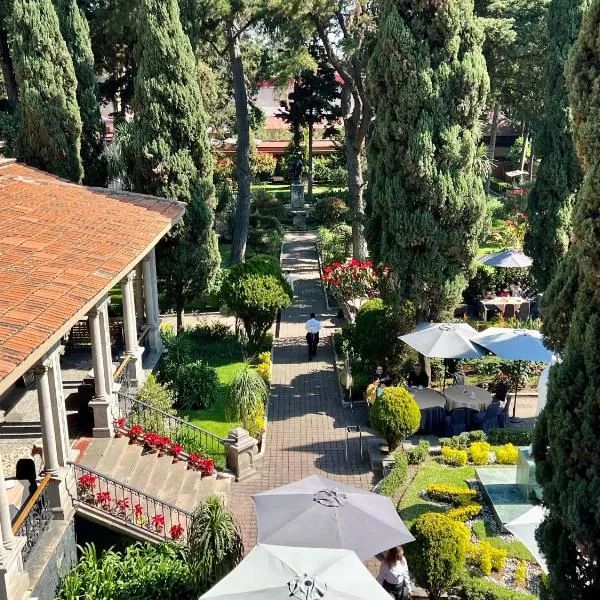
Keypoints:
(396, 415)
(476, 436)
(262, 166)
(518, 437)
(448, 493)
(465, 513)
(196, 385)
(479, 453)
(477, 588)
(417, 454)
(437, 556)
(330, 210)
(487, 558)
(464, 440)
(267, 204)
(507, 455)
(392, 482)
(456, 458)
(265, 234)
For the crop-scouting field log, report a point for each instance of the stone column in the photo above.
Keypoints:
(109, 383)
(139, 296)
(152, 257)
(46, 418)
(6, 534)
(101, 404)
(131, 345)
(57, 403)
(239, 454)
(152, 317)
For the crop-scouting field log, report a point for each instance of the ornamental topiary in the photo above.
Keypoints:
(479, 453)
(447, 493)
(507, 455)
(456, 458)
(437, 556)
(396, 415)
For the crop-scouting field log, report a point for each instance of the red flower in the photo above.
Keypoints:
(367, 264)
(355, 263)
(104, 499)
(123, 504)
(119, 423)
(176, 532)
(176, 449)
(336, 265)
(207, 466)
(86, 481)
(138, 510)
(135, 431)
(158, 521)
(328, 269)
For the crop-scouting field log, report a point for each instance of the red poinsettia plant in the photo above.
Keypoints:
(353, 278)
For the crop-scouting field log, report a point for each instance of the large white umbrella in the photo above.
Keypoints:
(524, 527)
(278, 572)
(443, 340)
(506, 259)
(317, 512)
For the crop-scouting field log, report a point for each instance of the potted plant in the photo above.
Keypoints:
(175, 450)
(150, 442)
(119, 425)
(163, 444)
(134, 433)
(193, 460)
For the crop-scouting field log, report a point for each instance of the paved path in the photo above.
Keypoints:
(306, 428)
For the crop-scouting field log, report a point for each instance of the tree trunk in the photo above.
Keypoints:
(310, 159)
(179, 319)
(524, 148)
(355, 189)
(242, 211)
(492, 148)
(10, 83)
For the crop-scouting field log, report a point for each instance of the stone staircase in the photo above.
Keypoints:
(158, 477)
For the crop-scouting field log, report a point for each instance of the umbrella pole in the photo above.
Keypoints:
(514, 419)
(444, 382)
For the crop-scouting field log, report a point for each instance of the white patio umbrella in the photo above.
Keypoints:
(522, 345)
(277, 572)
(444, 340)
(524, 527)
(507, 259)
(317, 512)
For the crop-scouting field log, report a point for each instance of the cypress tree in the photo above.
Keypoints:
(50, 133)
(567, 444)
(428, 83)
(76, 33)
(168, 153)
(551, 199)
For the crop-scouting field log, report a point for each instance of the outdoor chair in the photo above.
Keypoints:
(509, 311)
(488, 419)
(524, 311)
(456, 422)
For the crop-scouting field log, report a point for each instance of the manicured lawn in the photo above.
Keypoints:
(412, 505)
(513, 547)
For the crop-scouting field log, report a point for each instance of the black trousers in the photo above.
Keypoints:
(396, 591)
(312, 340)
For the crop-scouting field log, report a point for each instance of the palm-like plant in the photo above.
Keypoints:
(215, 545)
(247, 393)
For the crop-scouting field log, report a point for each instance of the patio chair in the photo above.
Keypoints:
(456, 422)
(488, 419)
(524, 311)
(509, 311)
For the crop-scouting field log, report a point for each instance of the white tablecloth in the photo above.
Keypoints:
(428, 398)
(467, 396)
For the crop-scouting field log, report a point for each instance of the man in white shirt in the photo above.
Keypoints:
(290, 279)
(313, 327)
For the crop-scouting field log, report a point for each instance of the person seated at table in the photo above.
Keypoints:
(515, 290)
(489, 295)
(504, 292)
(417, 377)
(381, 376)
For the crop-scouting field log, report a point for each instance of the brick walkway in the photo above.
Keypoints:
(306, 428)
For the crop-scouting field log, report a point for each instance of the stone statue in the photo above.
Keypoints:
(297, 170)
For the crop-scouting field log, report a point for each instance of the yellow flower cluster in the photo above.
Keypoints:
(456, 458)
(507, 455)
(465, 513)
(479, 453)
(448, 493)
(487, 558)
(264, 366)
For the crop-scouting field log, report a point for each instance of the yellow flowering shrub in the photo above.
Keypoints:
(487, 558)
(449, 493)
(456, 458)
(264, 366)
(521, 574)
(507, 455)
(465, 513)
(479, 453)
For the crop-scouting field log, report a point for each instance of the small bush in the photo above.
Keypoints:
(456, 458)
(247, 393)
(465, 513)
(518, 437)
(437, 556)
(487, 558)
(196, 385)
(479, 453)
(262, 166)
(256, 422)
(396, 415)
(476, 436)
(335, 244)
(158, 396)
(265, 235)
(330, 210)
(477, 588)
(447, 493)
(520, 574)
(417, 454)
(267, 204)
(507, 455)
(392, 482)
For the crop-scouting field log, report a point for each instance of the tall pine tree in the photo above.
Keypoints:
(428, 83)
(567, 444)
(551, 199)
(76, 33)
(168, 154)
(50, 133)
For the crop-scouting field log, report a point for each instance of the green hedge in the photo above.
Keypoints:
(417, 454)
(517, 437)
(472, 588)
(392, 482)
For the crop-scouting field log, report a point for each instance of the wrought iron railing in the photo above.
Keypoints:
(192, 438)
(135, 507)
(34, 518)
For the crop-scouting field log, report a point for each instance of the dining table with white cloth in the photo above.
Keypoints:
(500, 303)
(433, 409)
(467, 396)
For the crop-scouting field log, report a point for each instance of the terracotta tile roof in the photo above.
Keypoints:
(62, 246)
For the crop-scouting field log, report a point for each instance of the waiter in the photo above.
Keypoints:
(313, 327)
